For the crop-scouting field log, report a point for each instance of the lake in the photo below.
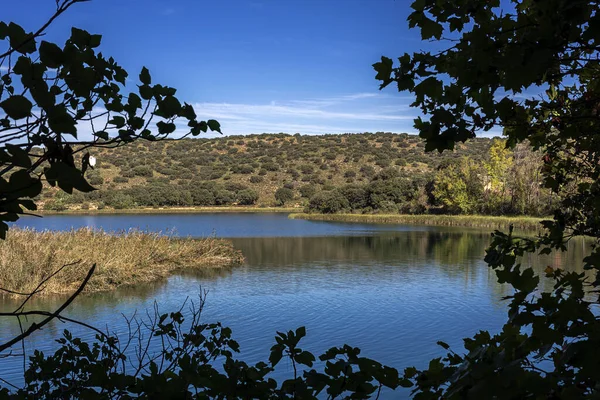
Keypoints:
(391, 290)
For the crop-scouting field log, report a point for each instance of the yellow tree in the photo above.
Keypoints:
(459, 187)
(497, 169)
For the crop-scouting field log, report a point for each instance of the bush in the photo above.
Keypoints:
(242, 169)
(283, 195)
(387, 174)
(143, 170)
(307, 191)
(307, 169)
(270, 166)
(293, 173)
(55, 205)
(357, 196)
(223, 197)
(329, 202)
(256, 179)
(120, 201)
(247, 197)
(367, 171)
(127, 173)
(235, 187)
(202, 197)
(95, 179)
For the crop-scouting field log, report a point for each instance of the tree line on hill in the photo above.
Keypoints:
(360, 173)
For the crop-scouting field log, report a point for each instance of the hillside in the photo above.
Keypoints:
(248, 170)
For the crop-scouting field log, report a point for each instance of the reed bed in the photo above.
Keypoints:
(28, 257)
(475, 221)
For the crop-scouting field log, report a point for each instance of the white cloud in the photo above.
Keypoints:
(348, 113)
(237, 111)
(361, 112)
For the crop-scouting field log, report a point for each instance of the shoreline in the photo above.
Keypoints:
(471, 221)
(171, 210)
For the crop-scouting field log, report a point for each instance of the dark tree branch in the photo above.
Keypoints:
(35, 327)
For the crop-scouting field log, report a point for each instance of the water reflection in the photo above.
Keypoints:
(464, 249)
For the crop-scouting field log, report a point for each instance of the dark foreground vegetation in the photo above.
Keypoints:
(498, 53)
(360, 173)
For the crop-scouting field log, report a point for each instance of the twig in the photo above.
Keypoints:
(37, 289)
(35, 327)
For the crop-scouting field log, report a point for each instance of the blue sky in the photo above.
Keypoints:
(255, 65)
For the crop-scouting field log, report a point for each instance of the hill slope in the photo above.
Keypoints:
(249, 169)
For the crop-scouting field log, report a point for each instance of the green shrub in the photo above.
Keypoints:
(143, 170)
(283, 195)
(202, 197)
(247, 197)
(328, 202)
(95, 179)
(367, 170)
(307, 191)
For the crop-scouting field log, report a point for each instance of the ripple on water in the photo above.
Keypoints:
(393, 292)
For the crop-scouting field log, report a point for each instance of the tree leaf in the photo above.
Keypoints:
(51, 55)
(305, 358)
(59, 120)
(214, 125)
(20, 158)
(102, 135)
(80, 37)
(67, 177)
(276, 354)
(95, 41)
(145, 76)
(21, 41)
(17, 107)
(165, 127)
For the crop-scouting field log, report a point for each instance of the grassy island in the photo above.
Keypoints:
(474, 221)
(28, 257)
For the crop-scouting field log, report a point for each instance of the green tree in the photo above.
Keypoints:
(328, 202)
(497, 178)
(459, 187)
(525, 186)
(283, 195)
(531, 68)
(247, 197)
(498, 165)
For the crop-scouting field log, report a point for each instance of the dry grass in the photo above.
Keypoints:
(475, 221)
(28, 257)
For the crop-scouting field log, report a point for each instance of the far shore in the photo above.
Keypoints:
(475, 221)
(172, 210)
